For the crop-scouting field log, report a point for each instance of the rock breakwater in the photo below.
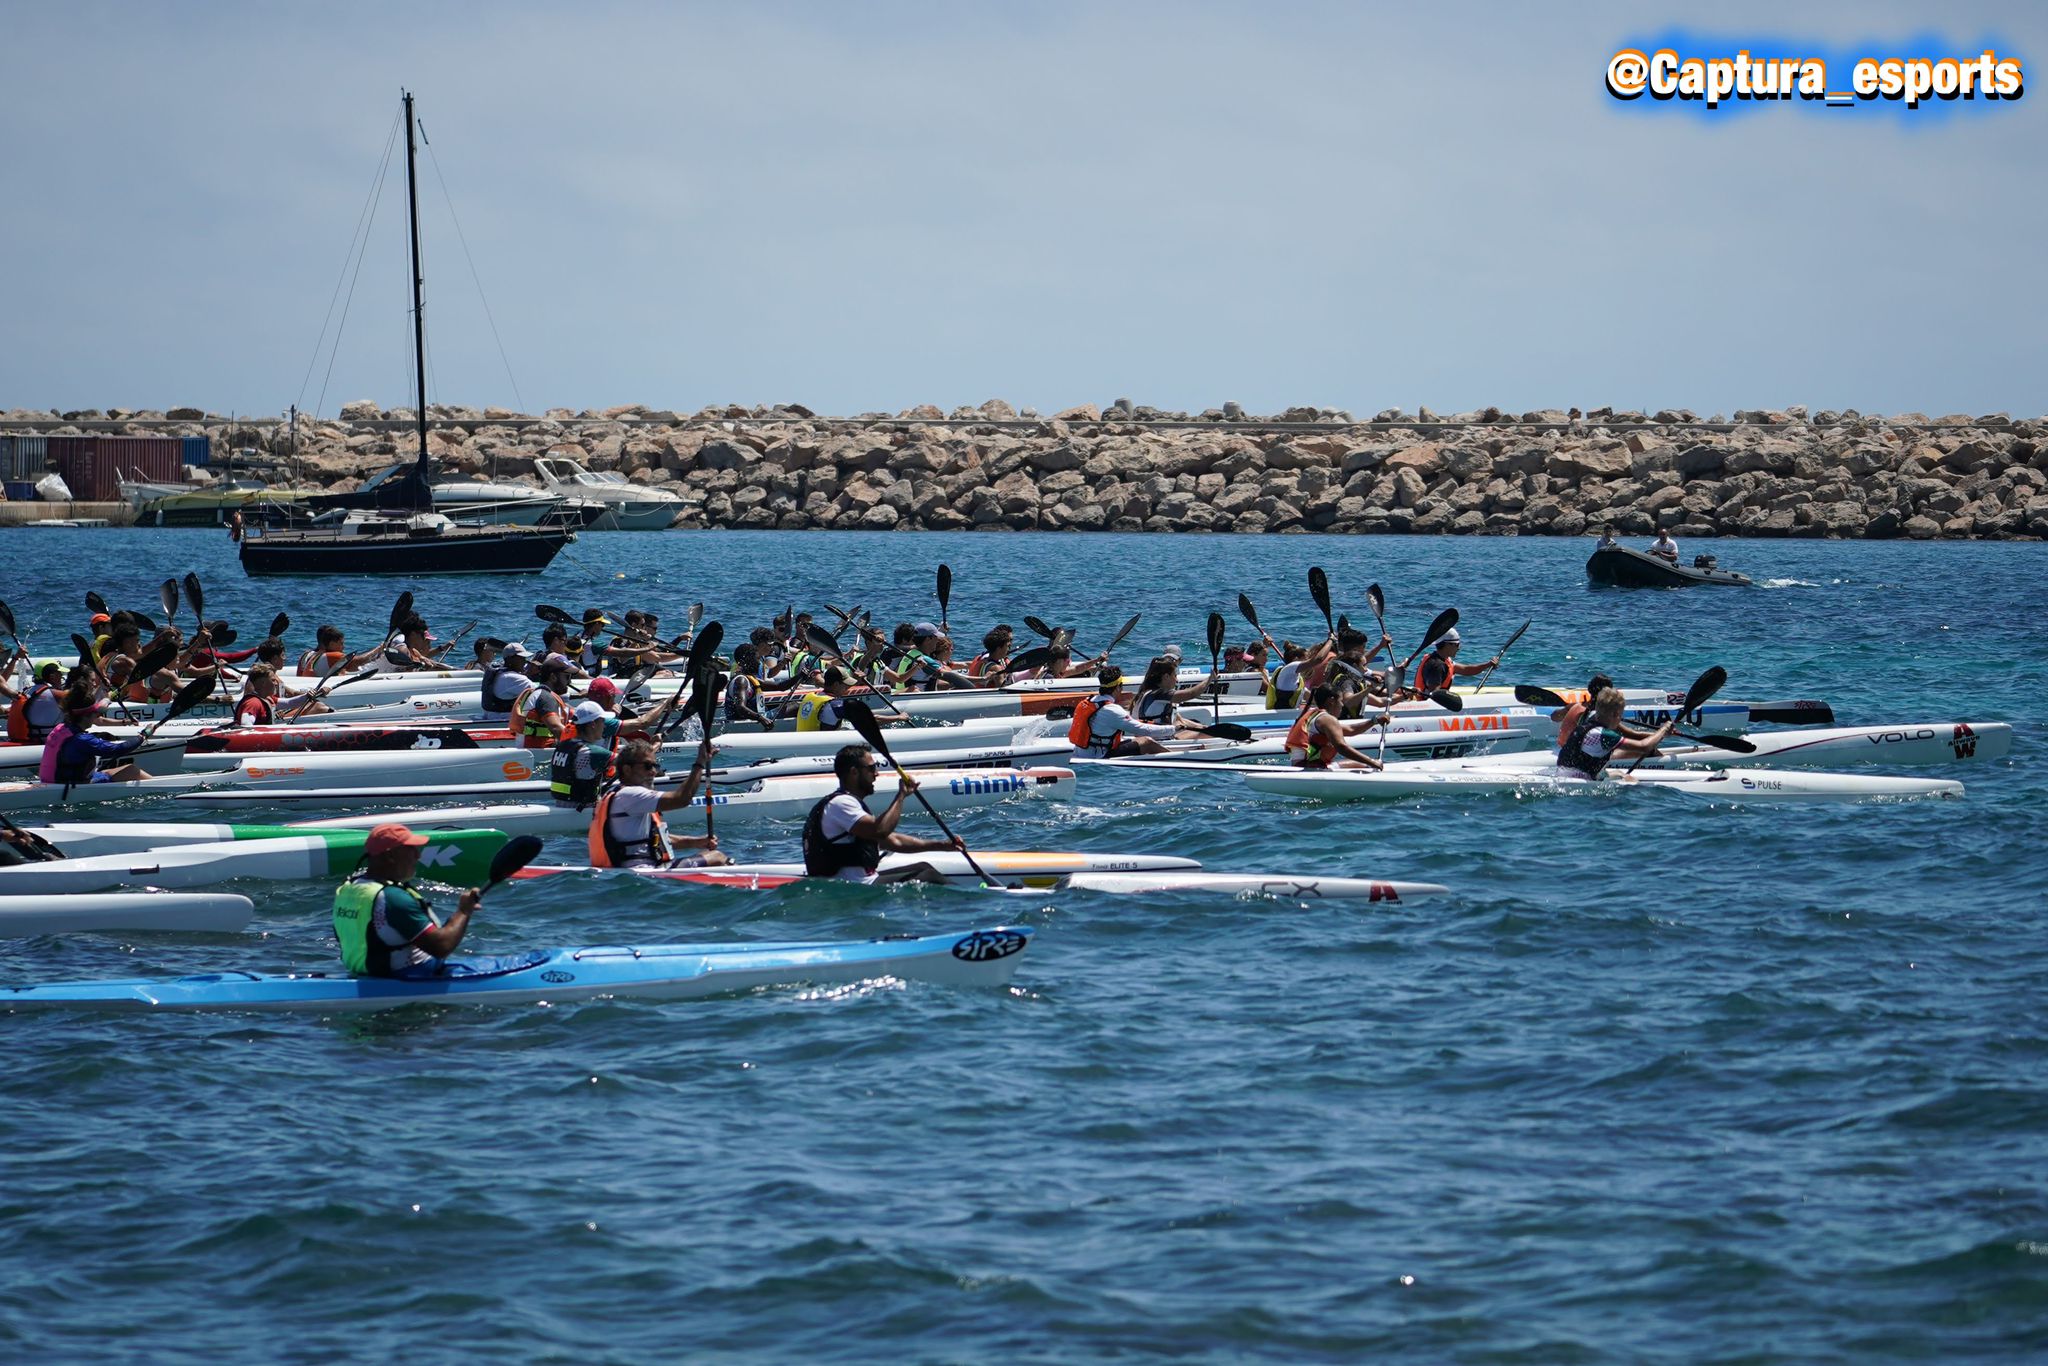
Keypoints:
(1129, 468)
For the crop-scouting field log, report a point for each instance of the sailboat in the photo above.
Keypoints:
(399, 532)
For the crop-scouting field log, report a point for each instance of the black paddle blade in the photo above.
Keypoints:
(1445, 620)
(94, 602)
(1343, 623)
(1515, 637)
(1448, 700)
(710, 687)
(548, 612)
(6, 619)
(154, 658)
(1034, 658)
(705, 648)
(1251, 614)
(1319, 589)
(1734, 744)
(639, 679)
(1035, 624)
(1227, 730)
(400, 610)
(189, 696)
(819, 639)
(83, 646)
(1378, 602)
(142, 622)
(223, 634)
(513, 855)
(1530, 695)
(945, 589)
(279, 624)
(861, 717)
(1704, 687)
(167, 595)
(1217, 627)
(195, 595)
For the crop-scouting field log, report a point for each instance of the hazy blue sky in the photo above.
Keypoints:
(862, 206)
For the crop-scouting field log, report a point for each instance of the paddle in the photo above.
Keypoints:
(1531, 695)
(1377, 600)
(1445, 620)
(195, 595)
(189, 696)
(1224, 730)
(279, 624)
(35, 840)
(1035, 624)
(863, 721)
(440, 651)
(332, 682)
(7, 624)
(400, 610)
(817, 638)
(710, 687)
(1319, 589)
(1037, 657)
(945, 592)
(167, 595)
(512, 855)
(84, 647)
(702, 651)
(1251, 614)
(153, 659)
(1703, 687)
(94, 602)
(1120, 637)
(1500, 654)
(1216, 629)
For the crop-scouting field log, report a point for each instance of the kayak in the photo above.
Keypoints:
(1031, 867)
(1937, 743)
(1719, 717)
(745, 747)
(124, 911)
(461, 857)
(33, 796)
(320, 739)
(1728, 784)
(1617, 566)
(1308, 888)
(1414, 745)
(670, 971)
(21, 763)
(343, 768)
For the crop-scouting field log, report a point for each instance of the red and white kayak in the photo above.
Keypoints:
(1731, 784)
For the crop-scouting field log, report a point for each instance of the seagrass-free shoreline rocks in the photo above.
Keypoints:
(1130, 468)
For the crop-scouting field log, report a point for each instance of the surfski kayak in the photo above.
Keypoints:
(125, 912)
(461, 857)
(34, 796)
(985, 957)
(1728, 784)
(1031, 867)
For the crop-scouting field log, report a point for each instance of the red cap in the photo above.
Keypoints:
(602, 689)
(389, 836)
(100, 618)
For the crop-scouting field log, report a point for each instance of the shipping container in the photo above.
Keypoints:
(86, 467)
(23, 457)
(20, 491)
(198, 450)
(148, 459)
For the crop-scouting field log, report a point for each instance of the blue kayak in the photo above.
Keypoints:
(671, 971)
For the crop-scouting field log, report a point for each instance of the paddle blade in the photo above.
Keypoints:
(710, 687)
(1035, 624)
(400, 610)
(861, 717)
(223, 634)
(695, 615)
(1734, 744)
(83, 646)
(1217, 627)
(705, 648)
(94, 602)
(1343, 623)
(1445, 620)
(141, 621)
(6, 619)
(1378, 602)
(1530, 695)
(821, 640)
(1513, 638)
(154, 658)
(1704, 687)
(1449, 701)
(1121, 636)
(1251, 614)
(552, 614)
(513, 855)
(1034, 658)
(1227, 730)
(945, 589)
(167, 596)
(639, 679)
(1319, 589)
(195, 595)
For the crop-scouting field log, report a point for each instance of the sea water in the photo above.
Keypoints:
(1662, 1080)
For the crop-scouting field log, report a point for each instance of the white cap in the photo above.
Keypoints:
(587, 711)
(1451, 636)
(1170, 652)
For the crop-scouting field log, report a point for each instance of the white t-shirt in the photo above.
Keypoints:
(508, 685)
(837, 822)
(630, 822)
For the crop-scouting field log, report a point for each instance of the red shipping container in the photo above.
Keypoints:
(86, 468)
(149, 459)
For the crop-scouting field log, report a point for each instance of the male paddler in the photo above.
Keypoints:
(1318, 739)
(384, 926)
(1440, 668)
(1102, 728)
(580, 761)
(626, 829)
(843, 839)
(1597, 740)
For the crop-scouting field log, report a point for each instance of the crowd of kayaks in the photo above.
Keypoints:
(418, 748)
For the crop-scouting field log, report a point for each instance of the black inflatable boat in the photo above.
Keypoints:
(1619, 567)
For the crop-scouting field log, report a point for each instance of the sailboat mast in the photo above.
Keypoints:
(419, 322)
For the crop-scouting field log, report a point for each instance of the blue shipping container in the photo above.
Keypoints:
(24, 457)
(20, 491)
(198, 450)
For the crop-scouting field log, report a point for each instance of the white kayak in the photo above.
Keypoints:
(21, 763)
(1736, 785)
(1307, 887)
(1417, 746)
(35, 796)
(124, 911)
(745, 747)
(1944, 742)
(1039, 869)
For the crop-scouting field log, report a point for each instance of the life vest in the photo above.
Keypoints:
(1303, 736)
(802, 661)
(64, 762)
(493, 704)
(1572, 753)
(18, 728)
(320, 663)
(810, 713)
(542, 730)
(919, 673)
(355, 905)
(1428, 679)
(563, 782)
(1081, 732)
(1285, 689)
(828, 858)
(608, 851)
(259, 711)
(1572, 712)
(1153, 707)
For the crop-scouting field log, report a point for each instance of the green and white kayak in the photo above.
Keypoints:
(461, 857)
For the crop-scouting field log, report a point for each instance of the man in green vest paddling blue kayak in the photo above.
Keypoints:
(386, 928)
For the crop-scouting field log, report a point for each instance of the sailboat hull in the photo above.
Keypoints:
(492, 550)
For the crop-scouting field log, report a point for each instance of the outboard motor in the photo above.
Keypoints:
(1703, 562)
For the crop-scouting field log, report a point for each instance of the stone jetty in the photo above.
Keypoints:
(1127, 467)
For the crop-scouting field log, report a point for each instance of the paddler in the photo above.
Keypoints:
(504, 677)
(38, 711)
(1319, 739)
(258, 705)
(385, 927)
(1351, 675)
(581, 760)
(1158, 698)
(554, 640)
(1567, 716)
(626, 829)
(743, 689)
(1597, 738)
(606, 694)
(330, 655)
(1285, 688)
(1440, 668)
(411, 649)
(539, 717)
(1101, 727)
(72, 754)
(843, 839)
(820, 710)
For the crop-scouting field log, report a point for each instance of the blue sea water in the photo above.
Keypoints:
(1662, 1081)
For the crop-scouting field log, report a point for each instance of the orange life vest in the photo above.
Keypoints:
(1303, 736)
(1081, 734)
(606, 852)
(1450, 674)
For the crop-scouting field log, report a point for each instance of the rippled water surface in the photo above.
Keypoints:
(1663, 1081)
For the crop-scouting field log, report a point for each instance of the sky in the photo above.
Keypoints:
(865, 206)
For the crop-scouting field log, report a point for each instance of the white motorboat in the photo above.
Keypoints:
(629, 506)
(497, 504)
